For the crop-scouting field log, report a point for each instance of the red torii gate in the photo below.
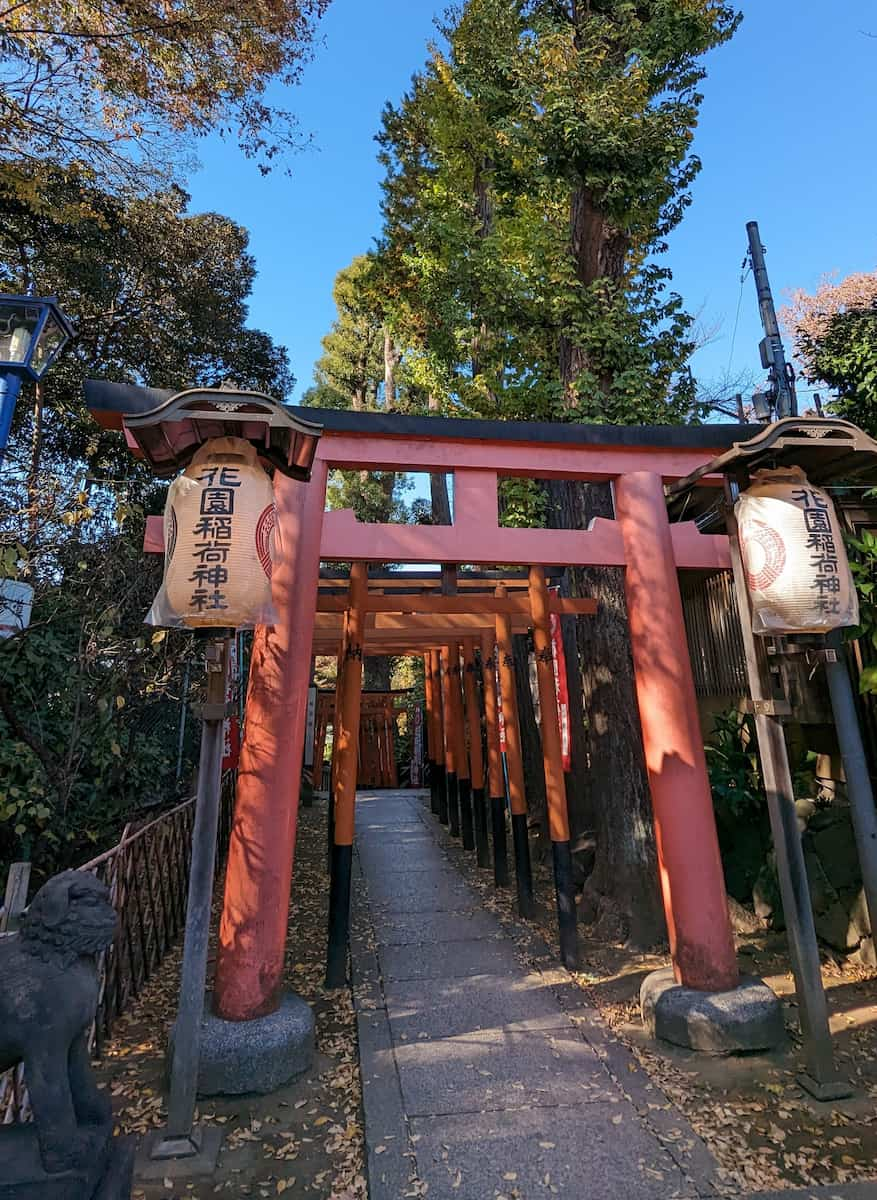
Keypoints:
(637, 460)
(253, 928)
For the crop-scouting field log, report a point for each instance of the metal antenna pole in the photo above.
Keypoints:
(773, 356)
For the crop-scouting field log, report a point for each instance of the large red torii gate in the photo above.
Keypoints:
(478, 453)
(638, 461)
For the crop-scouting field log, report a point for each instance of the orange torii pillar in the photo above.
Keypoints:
(441, 752)
(692, 883)
(461, 757)
(344, 796)
(476, 755)
(552, 760)
(451, 746)
(255, 913)
(495, 782)
(429, 727)
(517, 798)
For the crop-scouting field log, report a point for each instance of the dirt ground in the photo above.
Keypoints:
(765, 1131)
(306, 1139)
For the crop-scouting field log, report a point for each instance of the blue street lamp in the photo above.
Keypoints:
(32, 333)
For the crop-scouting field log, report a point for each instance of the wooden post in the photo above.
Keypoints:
(690, 866)
(179, 1139)
(255, 917)
(441, 753)
(476, 756)
(821, 1078)
(552, 759)
(347, 736)
(429, 729)
(15, 900)
(461, 756)
(451, 748)
(514, 765)
(495, 780)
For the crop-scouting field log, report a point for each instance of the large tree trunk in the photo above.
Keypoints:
(438, 484)
(391, 361)
(609, 782)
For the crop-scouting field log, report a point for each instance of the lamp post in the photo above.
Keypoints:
(32, 333)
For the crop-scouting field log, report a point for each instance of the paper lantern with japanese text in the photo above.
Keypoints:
(219, 542)
(793, 553)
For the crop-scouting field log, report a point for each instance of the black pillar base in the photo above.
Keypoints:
(433, 789)
(466, 826)
(566, 905)
(500, 852)
(441, 787)
(339, 916)
(523, 872)
(479, 812)
(330, 830)
(453, 804)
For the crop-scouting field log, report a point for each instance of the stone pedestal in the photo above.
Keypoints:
(746, 1018)
(255, 1056)
(22, 1177)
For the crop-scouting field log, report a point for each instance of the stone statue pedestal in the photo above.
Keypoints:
(22, 1176)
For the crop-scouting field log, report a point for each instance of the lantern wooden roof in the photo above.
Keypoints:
(827, 450)
(166, 428)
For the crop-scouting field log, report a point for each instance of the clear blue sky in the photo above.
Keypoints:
(786, 138)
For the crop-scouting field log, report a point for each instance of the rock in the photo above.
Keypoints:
(742, 920)
(833, 926)
(835, 845)
(745, 1019)
(804, 810)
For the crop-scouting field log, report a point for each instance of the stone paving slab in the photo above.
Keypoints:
(581, 1152)
(435, 960)
(405, 929)
(496, 1069)
(486, 1083)
(445, 1008)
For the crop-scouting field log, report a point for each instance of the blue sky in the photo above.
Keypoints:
(786, 138)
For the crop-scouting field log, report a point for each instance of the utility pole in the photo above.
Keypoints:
(773, 357)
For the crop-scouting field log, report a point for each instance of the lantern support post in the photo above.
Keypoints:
(821, 1078)
(180, 1139)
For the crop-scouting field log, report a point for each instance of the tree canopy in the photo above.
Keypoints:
(120, 90)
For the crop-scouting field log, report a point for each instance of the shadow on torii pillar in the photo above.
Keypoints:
(645, 465)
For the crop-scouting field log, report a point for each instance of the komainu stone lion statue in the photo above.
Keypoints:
(48, 996)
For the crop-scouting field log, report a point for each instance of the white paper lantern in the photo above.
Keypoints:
(793, 553)
(219, 542)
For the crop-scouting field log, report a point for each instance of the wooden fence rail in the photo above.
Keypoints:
(148, 877)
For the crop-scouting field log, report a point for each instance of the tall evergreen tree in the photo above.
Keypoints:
(533, 172)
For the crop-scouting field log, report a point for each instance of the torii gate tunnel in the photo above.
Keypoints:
(638, 461)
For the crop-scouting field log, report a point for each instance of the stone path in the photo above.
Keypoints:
(485, 1072)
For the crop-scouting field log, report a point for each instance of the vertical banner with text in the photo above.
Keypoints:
(560, 685)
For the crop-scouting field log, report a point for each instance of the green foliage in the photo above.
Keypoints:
(89, 697)
(845, 358)
(863, 565)
(739, 801)
(532, 173)
(735, 776)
